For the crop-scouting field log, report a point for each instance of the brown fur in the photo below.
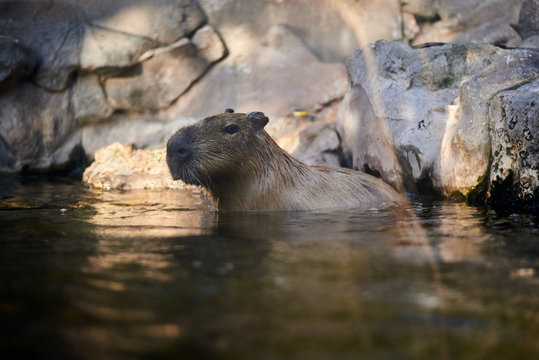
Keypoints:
(247, 170)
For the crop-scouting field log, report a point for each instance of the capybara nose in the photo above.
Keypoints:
(183, 153)
(178, 151)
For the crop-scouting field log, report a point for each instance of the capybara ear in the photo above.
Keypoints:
(229, 110)
(258, 119)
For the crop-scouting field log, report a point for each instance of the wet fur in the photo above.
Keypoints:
(249, 171)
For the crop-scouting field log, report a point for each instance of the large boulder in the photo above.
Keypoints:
(419, 117)
(514, 132)
(165, 73)
(120, 166)
(263, 79)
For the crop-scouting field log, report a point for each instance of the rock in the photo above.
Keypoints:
(424, 113)
(209, 44)
(165, 73)
(528, 20)
(313, 142)
(531, 42)
(262, 78)
(16, 63)
(144, 132)
(118, 33)
(88, 100)
(366, 138)
(69, 35)
(330, 29)
(122, 167)
(477, 21)
(32, 130)
(467, 138)
(423, 8)
(514, 132)
(52, 32)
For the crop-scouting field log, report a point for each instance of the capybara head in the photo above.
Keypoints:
(216, 147)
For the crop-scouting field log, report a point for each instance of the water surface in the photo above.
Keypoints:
(157, 274)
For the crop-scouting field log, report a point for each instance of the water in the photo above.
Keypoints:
(158, 275)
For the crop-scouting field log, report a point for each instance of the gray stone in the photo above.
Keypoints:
(531, 42)
(424, 113)
(514, 131)
(165, 73)
(311, 139)
(32, 130)
(52, 32)
(528, 20)
(118, 32)
(88, 100)
(469, 136)
(477, 21)
(262, 78)
(73, 34)
(330, 29)
(16, 62)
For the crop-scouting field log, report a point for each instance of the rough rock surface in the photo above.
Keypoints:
(423, 114)
(108, 70)
(120, 166)
(480, 21)
(89, 100)
(331, 29)
(514, 119)
(78, 45)
(16, 62)
(258, 80)
(528, 20)
(165, 73)
(32, 130)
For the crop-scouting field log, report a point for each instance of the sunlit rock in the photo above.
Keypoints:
(424, 112)
(272, 77)
(119, 32)
(331, 29)
(122, 167)
(165, 73)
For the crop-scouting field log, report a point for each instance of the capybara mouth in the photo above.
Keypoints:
(182, 171)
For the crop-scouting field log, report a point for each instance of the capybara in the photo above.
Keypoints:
(243, 168)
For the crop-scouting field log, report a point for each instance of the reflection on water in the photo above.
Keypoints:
(158, 274)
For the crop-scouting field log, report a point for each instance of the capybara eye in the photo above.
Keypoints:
(231, 129)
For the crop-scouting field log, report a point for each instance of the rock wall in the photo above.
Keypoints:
(80, 75)
(76, 76)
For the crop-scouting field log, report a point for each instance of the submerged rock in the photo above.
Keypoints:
(420, 117)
